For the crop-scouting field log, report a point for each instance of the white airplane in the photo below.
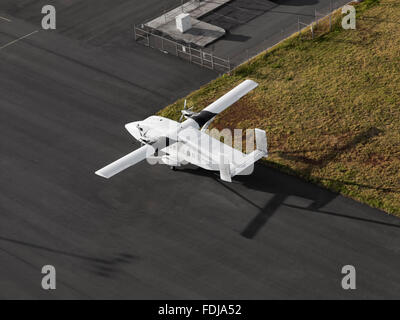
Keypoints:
(177, 143)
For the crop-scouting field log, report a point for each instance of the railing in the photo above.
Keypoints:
(148, 37)
(206, 58)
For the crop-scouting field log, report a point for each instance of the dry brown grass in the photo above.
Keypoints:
(330, 106)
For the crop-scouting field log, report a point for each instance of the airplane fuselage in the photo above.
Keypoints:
(153, 128)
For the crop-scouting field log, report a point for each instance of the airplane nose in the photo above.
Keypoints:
(133, 129)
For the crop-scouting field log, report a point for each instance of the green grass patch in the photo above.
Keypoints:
(330, 105)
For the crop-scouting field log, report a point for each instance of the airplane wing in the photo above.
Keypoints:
(126, 161)
(224, 102)
(200, 149)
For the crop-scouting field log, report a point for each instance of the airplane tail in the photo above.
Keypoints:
(227, 171)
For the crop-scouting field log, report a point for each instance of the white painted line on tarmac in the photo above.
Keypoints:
(16, 40)
(5, 19)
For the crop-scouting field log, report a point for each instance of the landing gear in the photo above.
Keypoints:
(173, 168)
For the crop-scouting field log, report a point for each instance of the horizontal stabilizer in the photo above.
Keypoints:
(125, 162)
(247, 162)
(260, 152)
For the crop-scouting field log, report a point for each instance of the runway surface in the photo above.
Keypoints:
(150, 232)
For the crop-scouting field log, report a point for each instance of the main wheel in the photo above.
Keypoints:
(173, 168)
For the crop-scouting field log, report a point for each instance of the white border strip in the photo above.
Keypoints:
(5, 19)
(16, 40)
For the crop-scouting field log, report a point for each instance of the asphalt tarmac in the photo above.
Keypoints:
(255, 25)
(151, 232)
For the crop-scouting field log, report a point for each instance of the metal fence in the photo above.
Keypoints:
(207, 58)
(319, 18)
(310, 25)
(150, 38)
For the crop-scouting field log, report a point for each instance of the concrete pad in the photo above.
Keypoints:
(170, 15)
(201, 33)
(207, 6)
(195, 8)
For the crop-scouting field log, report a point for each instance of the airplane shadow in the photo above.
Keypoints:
(281, 186)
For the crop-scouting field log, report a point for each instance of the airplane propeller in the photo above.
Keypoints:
(186, 113)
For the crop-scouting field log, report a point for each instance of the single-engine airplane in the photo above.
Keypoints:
(174, 143)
